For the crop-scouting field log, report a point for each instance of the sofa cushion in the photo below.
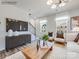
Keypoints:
(59, 40)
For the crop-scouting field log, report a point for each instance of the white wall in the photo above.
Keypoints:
(2, 33)
(10, 12)
(73, 12)
(70, 14)
(51, 24)
(32, 21)
(62, 19)
(37, 28)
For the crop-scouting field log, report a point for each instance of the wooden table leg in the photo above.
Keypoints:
(51, 48)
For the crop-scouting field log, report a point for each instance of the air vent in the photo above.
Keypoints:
(9, 2)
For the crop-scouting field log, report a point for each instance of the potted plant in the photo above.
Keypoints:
(44, 38)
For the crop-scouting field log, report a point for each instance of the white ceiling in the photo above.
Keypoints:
(39, 8)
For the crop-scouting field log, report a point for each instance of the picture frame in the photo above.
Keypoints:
(74, 23)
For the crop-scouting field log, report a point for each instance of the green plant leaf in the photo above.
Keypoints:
(45, 37)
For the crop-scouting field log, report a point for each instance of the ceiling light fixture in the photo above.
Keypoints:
(57, 3)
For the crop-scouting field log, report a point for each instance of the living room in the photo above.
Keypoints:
(23, 24)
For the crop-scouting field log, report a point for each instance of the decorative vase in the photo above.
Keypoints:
(10, 32)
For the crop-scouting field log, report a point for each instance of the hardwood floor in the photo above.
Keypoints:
(4, 54)
(59, 52)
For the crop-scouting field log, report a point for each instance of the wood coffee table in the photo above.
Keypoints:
(32, 53)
